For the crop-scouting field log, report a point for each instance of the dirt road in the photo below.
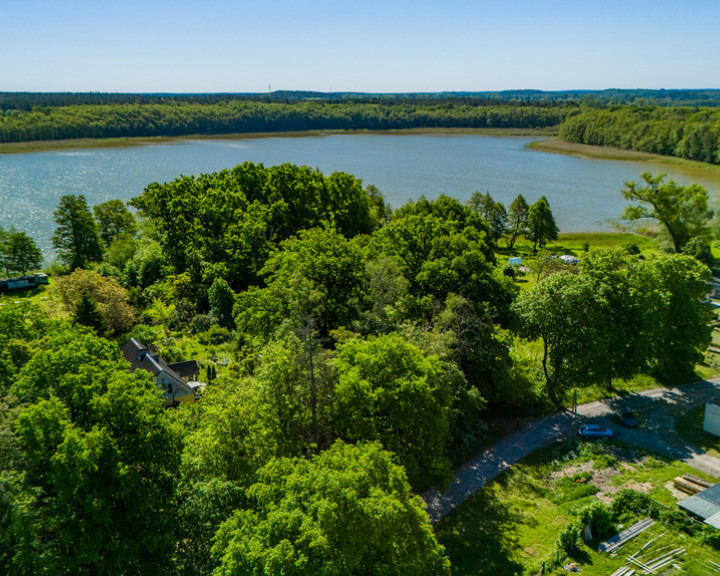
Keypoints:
(660, 406)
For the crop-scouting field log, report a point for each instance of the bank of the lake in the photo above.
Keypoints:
(93, 143)
(693, 169)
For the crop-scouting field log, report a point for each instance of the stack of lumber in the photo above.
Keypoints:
(653, 566)
(691, 484)
(624, 571)
(714, 566)
(625, 536)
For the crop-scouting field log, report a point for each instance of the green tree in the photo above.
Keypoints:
(222, 300)
(678, 322)
(682, 211)
(346, 512)
(385, 387)
(563, 312)
(541, 227)
(87, 313)
(517, 219)
(106, 292)
(76, 237)
(113, 220)
(18, 252)
(494, 213)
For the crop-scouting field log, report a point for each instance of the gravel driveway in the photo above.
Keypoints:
(660, 405)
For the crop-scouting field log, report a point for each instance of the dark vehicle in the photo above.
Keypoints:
(627, 417)
(595, 431)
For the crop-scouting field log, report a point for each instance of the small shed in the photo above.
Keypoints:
(515, 261)
(705, 505)
(711, 423)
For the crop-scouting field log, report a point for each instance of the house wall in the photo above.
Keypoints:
(711, 423)
(181, 392)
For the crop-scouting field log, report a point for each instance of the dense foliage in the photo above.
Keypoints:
(690, 133)
(351, 354)
(181, 118)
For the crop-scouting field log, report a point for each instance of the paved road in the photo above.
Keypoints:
(657, 434)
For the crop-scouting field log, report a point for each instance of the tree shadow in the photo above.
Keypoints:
(479, 537)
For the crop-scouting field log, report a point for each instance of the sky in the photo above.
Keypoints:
(364, 46)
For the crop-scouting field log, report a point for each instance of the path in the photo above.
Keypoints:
(658, 434)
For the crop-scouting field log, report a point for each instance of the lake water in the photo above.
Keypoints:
(584, 194)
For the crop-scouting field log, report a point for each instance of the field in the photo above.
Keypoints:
(512, 525)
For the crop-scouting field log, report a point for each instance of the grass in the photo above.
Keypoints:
(690, 428)
(511, 526)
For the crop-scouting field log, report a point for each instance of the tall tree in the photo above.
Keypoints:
(386, 386)
(21, 253)
(681, 210)
(346, 512)
(563, 312)
(222, 300)
(113, 220)
(517, 219)
(76, 237)
(541, 227)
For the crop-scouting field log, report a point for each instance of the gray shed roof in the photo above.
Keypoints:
(705, 504)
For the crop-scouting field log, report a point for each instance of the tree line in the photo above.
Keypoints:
(684, 132)
(348, 324)
(182, 118)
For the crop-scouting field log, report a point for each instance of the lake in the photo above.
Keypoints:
(583, 193)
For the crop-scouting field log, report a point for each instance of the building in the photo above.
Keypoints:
(23, 282)
(704, 505)
(711, 423)
(175, 380)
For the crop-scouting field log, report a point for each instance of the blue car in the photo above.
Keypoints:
(595, 431)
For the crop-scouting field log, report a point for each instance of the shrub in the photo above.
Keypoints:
(202, 323)
(215, 335)
(575, 487)
(568, 539)
(599, 517)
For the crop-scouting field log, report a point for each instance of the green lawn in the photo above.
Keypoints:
(511, 526)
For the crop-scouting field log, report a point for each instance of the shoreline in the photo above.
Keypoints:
(690, 168)
(130, 141)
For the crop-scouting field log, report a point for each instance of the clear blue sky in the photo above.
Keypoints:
(364, 45)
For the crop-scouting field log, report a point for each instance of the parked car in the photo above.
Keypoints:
(627, 417)
(595, 431)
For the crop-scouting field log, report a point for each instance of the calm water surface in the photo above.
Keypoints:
(584, 194)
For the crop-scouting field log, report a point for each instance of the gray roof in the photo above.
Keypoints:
(705, 504)
(140, 357)
(186, 369)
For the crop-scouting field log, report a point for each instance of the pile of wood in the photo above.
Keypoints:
(691, 484)
(625, 536)
(655, 565)
(624, 571)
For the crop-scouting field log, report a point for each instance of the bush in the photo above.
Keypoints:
(510, 271)
(575, 487)
(599, 517)
(148, 335)
(568, 539)
(215, 335)
(202, 323)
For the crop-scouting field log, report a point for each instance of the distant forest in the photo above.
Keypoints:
(682, 123)
(29, 100)
(177, 118)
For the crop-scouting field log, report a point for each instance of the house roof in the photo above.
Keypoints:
(140, 357)
(186, 369)
(705, 504)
